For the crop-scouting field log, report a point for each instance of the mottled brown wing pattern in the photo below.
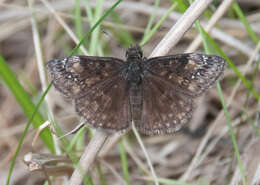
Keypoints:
(106, 105)
(97, 88)
(165, 110)
(191, 73)
(156, 94)
(74, 75)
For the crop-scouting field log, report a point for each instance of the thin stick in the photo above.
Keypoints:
(155, 178)
(88, 156)
(42, 72)
(64, 25)
(213, 20)
(181, 26)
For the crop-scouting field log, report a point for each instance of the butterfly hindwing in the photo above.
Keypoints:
(164, 108)
(192, 73)
(106, 105)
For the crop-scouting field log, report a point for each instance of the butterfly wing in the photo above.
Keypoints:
(97, 88)
(169, 85)
(165, 110)
(191, 73)
(106, 105)
(73, 76)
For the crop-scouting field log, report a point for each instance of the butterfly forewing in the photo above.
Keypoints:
(191, 73)
(75, 75)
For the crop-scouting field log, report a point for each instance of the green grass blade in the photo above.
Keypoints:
(72, 156)
(253, 124)
(247, 83)
(89, 11)
(124, 163)
(157, 26)
(95, 34)
(123, 35)
(28, 107)
(150, 22)
(205, 41)
(24, 101)
(24, 133)
(253, 36)
(172, 182)
(78, 21)
(101, 176)
(181, 6)
(94, 27)
(243, 19)
(232, 133)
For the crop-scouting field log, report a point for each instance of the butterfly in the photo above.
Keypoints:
(156, 94)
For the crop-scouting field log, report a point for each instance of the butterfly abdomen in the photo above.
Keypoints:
(136, 103)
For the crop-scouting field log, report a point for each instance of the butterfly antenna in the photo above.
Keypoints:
(110, 36)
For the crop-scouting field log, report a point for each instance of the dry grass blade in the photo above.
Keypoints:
(181, 26)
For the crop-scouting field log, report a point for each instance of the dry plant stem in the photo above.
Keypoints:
(224, 131)
(257, 118)
(135, 158)
(175, 34)
(177, 31)
(120, 179)
(181, 26)
(67, 5)
(42, 72)
(39, 130)
(232, 41)
(241, 68)
(140, 7)
(148, 9)
(88, 157)
(110, 143)
(196, 159)
(213, 20)
(49, 40)
(155, 178)
(65, 26)
(41, 10)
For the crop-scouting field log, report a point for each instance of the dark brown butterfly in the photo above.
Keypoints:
(156, 94)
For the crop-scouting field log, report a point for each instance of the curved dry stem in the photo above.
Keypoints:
(155, 178)
(88, 156)
(213, 20)
(64, 25)
(181, 26)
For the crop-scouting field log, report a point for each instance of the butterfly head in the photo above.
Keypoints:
(134, 53)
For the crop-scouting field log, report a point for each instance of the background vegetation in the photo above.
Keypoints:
(218, 146)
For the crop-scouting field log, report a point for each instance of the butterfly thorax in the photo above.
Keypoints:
(134, 72)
